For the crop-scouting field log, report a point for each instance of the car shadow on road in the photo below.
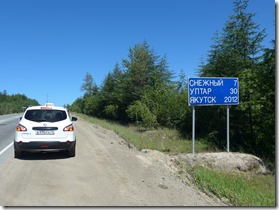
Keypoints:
(44, 155)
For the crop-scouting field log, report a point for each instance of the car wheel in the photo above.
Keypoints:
(72, 152)
(18, 153)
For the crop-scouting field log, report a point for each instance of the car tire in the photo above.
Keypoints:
(72, 152)
(18, 153)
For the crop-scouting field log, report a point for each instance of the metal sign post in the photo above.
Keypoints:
(193, 130)
(228, 128)
(209, 91)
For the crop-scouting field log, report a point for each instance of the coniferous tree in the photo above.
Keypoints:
(89, 86)
(144, 68)
(112, 94)
(14, 103)
(238, 52)
(90, 97)
(239, 46)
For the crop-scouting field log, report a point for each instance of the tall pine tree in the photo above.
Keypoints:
(238, 47)
(238, 52)
(144, 68)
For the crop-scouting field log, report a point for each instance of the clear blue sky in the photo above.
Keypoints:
(47, 46)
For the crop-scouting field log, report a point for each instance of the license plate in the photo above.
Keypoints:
(45, 133)
(44, 146)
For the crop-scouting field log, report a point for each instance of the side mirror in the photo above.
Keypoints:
(20, 118)
(74, 119)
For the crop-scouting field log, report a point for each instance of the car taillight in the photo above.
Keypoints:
(21, 128)
(69, 128)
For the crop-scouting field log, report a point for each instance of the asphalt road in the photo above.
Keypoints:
(7, 130)
(105, 172)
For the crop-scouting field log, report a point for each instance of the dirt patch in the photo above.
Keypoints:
(225, 161)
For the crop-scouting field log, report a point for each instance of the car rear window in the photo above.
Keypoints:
(45, 115)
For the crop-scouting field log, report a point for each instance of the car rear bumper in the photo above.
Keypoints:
(44, 145)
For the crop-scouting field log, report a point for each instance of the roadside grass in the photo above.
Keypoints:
(239, 189)
(163, 140)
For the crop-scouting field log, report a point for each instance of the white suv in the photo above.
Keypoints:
(43, 129)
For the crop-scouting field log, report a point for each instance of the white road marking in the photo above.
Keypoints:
(7, 147)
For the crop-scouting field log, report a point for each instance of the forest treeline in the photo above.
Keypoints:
(14, 103)
(142, 89)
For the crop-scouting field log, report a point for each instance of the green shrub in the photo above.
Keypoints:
(140, 112)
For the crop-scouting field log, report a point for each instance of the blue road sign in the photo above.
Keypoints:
(208, 91)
